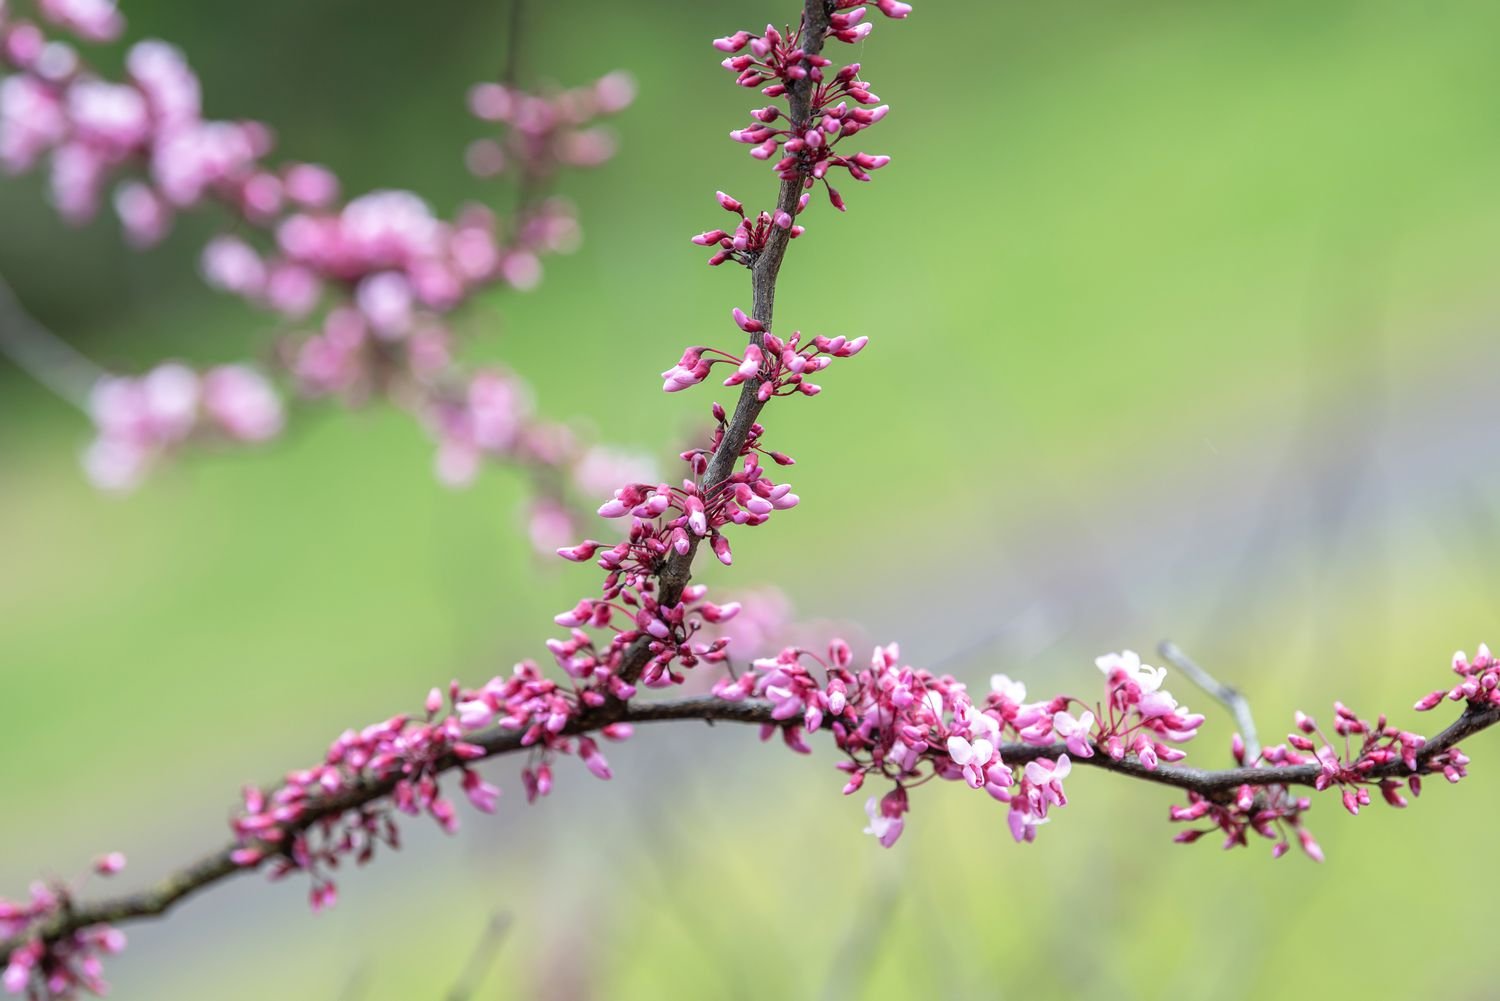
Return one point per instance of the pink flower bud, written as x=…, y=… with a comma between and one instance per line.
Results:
x=746, y=323
x=108, y=865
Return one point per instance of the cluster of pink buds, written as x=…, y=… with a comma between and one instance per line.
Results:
x=631, y=614
x=141, y=419
x=546, y=132
x=1480, y=685
x=745, y=243
x=1365, y=747
x=293, y=823
x=300, y=826
x=665, y=519
x=782, y=367
x=1272, y=812
x=840, y=105
x=46, y=967
x=1358, y=756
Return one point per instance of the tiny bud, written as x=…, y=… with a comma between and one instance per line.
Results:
x=108, y=865
x=748, y=324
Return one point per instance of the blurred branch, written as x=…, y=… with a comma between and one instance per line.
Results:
x=1236, y=703
x=43, y=355
x=510, y=70
x=483, y=957
x=218, y=866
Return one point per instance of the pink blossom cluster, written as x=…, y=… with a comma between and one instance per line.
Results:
x=366, y=284
x=141, y=419
x=57, y=967
x=909, y=726
x=546, y=133
x=1480, y=686
x=1140, y=716
x=665, y=519
x=780, y=367
x=303, y=825
x=144, y=135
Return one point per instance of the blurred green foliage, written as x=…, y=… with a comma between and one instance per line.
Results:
x=1164, y=299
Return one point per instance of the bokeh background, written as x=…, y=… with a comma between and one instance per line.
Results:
x=1183, y=322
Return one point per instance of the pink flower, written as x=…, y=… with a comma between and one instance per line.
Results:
x=884, y=828
x=973, y=758
x=241, y=402
x=1077, y=734
x=483, y=795
x=108, y=865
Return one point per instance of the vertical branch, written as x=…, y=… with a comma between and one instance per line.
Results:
x=485, y=951
x=763, y=275
x=510, y=70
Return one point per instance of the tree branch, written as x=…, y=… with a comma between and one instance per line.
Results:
x=217, y=867
x=483, y=957
x=676, y=571
x=43, y=355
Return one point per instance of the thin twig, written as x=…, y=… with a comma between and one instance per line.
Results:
x=357, y=987
x=486, y=950
x=510, y=70
x=43, y=355
x=1232, y=699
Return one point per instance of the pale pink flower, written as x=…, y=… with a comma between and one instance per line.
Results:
x=1076, y=733
x=885, y=829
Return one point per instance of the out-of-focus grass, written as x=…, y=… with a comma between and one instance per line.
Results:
x=1118, y=245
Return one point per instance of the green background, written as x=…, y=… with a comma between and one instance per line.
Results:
x=1182, y=323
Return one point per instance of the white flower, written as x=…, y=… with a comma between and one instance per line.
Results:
x=1010, y=691
x=965, y=753
x=1129, y=662
x=1075, y=732
x=981, y=723
x=885, y=829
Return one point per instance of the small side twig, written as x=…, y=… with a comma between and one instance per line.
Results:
x=43, y=355
x=1231, y=697
x=482, y=958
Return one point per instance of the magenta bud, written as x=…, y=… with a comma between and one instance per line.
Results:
x=737, y=41
x=748, y=324
x=583, y=551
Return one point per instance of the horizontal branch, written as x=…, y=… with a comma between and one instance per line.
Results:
x=217, y=867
